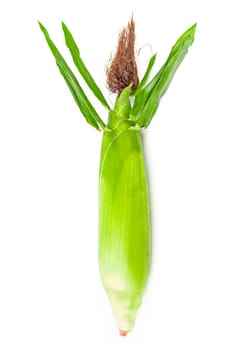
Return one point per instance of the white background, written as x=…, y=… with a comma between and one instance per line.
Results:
x=50, y=291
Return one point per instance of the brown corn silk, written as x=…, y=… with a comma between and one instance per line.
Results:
x=122, y=69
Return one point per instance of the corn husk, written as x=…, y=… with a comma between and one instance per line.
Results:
x=124, y=219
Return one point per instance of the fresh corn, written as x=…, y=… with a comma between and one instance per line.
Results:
x=124, y=207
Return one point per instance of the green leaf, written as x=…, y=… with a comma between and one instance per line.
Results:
x=79, y=96
x=146, y=75
x=142, y=93
x=139, y=103
x=153, y=91
x=75, y=52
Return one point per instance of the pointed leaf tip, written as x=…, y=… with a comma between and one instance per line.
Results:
x=150, y=96
x=80, y=65
x=146, y=76
x=79, y=96
x=41, y=26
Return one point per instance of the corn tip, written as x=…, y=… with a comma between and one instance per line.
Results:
x=123, y=333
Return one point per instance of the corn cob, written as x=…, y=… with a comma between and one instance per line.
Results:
x=124, y=225
x=124, y=208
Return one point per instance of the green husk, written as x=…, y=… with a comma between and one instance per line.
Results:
x=124, y=220
x=124, y=205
